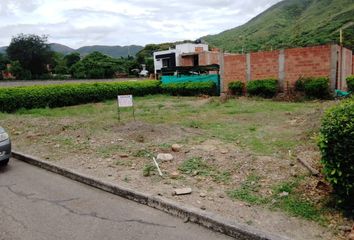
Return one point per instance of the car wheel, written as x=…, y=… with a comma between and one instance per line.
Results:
x=4, y=163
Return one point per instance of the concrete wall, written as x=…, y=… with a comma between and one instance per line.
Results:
x=347, y=68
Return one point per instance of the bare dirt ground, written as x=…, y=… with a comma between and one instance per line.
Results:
x=215, y=158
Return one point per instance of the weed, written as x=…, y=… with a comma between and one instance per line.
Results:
x=194, y=124
x=125, y=163
x=193, y=165
x=222, y=177
x=248, y=191
x=126, y=179
x=143, y=154
x=108, y=151
x=148, y=169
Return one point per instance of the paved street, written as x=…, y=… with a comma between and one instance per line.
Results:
x=36, y=204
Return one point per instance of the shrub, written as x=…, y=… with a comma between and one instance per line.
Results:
x=266, y=88
x=314, y=87
x=300, y=85
x=336, y=143
x=15, y=98
x=350, y=83
x=189, y=88
x=236, y=88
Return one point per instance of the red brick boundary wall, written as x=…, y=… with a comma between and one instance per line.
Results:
x=286, y=65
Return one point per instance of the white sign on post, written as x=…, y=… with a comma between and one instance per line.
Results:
x=125, y=100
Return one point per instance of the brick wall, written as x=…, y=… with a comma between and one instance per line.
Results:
x=307, y=62
x=187, y=61
x=264, y=65
x=208, y=58
x=288, y=64
x=234, y=68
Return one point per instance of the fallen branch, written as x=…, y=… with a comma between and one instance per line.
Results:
x=313, y=171
x=157, y=166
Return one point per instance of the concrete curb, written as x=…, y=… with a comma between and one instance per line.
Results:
x=207, y=219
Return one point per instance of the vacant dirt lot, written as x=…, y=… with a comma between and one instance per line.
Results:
x=239, y=156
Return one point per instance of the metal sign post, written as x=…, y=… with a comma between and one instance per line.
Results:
x=125, y=101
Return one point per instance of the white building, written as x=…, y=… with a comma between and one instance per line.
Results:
x=173, y=57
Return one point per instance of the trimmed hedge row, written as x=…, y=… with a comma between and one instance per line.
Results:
x=314, y=87
x=266, y=88
x=350, y=83
x=189, y=89
x=236, y=88
x=15, y=98
x=336, y=143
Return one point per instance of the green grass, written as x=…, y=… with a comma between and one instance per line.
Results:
x=294, y=204
x=143, y=154
x=198, y=166
x=260, y=125
x=248, y=191
x=148, y=170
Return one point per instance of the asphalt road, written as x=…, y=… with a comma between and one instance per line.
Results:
x=36, y=204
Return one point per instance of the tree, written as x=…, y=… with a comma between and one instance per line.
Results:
x=72, y=58
x=95, y=65
x=18, y=72
x=58, y=64
x=31, y=51
x=3, y=62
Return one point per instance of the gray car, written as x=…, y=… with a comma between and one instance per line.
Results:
x=5, y=147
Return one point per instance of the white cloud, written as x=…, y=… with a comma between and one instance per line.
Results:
x=117, y=22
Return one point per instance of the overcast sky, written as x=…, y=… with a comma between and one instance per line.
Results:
x=77, y=23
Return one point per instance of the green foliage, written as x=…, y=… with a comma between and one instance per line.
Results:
x=247, y=191
x=14, y=98
x=31, y=51
x=266, y=88
x=193, y=165
x=350, y=83
x=198, y=166
x=148, y=169
x=95, y=66
x=18, y=72
x=236, y=87
x=336, y=143
x=189, y=88
x=290, y=23
x=71, y=59
x=314, y=87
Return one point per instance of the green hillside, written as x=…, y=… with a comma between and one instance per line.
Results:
x=113, y=51
x=290, y=23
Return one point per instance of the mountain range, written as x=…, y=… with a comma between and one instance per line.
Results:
x=291, y=23
x=113, y=51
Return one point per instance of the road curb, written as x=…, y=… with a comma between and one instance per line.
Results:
x=207, y=219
